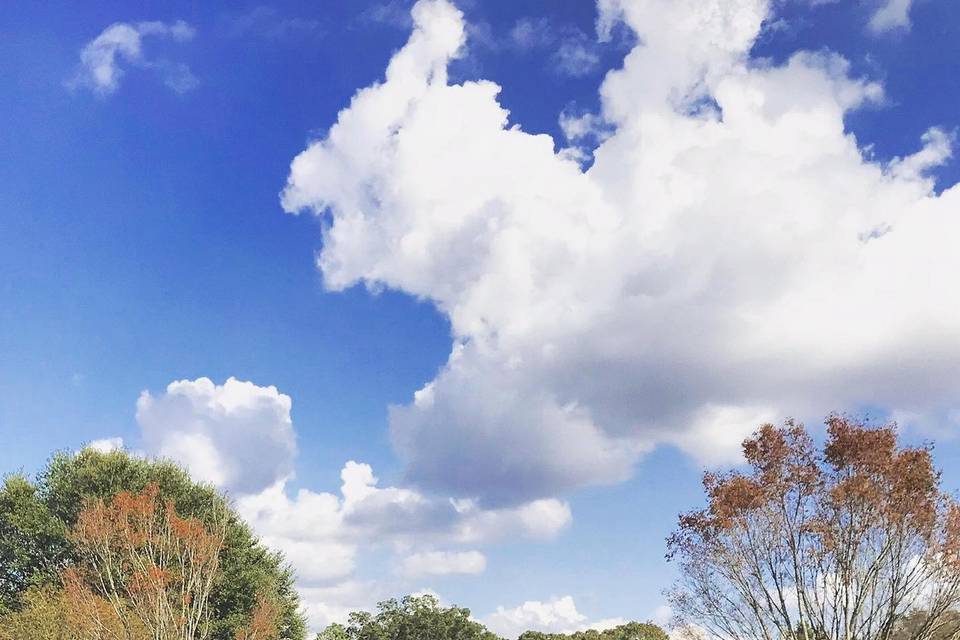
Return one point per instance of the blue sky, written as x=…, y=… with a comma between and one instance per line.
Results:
x=600, y=314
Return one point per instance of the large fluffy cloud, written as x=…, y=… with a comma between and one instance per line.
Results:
x=237, y=436
x=732, y=255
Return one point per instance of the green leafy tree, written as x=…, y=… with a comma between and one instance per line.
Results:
x=411, y=618
x=35, y=518
x=335, y=631
x=33, y=543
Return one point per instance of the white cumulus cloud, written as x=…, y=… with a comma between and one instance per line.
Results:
x=367, y=514
x=324, y=605
x=557, y=615
x=105, y=445
x=237, y=436
x=322, y=534
x=101, y=59
x=732, y=255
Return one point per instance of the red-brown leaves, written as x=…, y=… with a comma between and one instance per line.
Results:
x=732, y=497
x=839, y=543
x=854, y=446
x=90, y=616
x=152, y=567
x=783, y=461
x=871, y=476
x=263, y=622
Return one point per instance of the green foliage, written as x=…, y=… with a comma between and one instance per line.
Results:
x=335, y=631
x=412, y=618
x=629, y=631
x=32, y=541
x=40, y=618
x=34, y=519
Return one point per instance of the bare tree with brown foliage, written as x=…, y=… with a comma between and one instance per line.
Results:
x=143, y=570
x=838, y=544
x=263, y=622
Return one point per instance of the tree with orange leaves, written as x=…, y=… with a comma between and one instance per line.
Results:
x=143, y=571
x=838, y=544
x=263, y=622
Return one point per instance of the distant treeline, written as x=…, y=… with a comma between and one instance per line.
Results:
x=422, y=618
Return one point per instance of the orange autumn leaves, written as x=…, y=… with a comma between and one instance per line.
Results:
x=143, y=572
x=861, y=481
x=142, y=565
x=841, y=542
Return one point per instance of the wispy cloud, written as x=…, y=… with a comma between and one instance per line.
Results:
x=267, y=22
x=395, y=13
x=533, y=33
x=572, y=52
x=443, y=563
x=891, y=15
x=886, y=15
x=102, y=59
